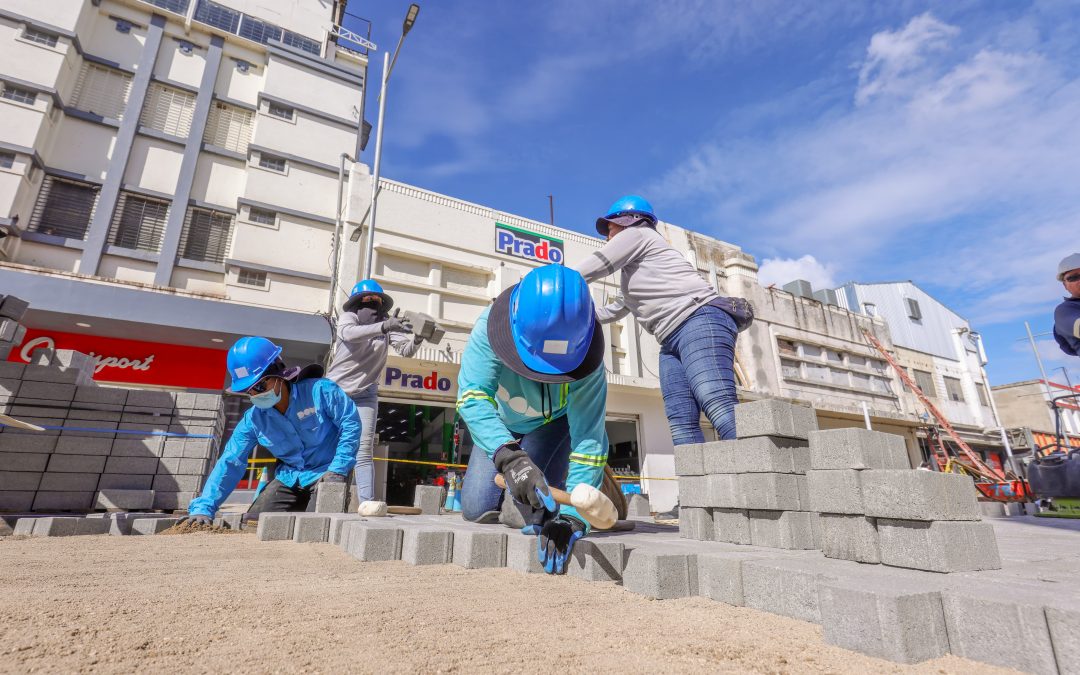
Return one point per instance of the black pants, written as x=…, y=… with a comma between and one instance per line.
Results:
x=278, y=497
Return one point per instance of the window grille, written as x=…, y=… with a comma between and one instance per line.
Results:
x=300, y=42
x=259, y=31
x=64, y=207
x=272, y=163
x=284, y=112
x=178, y=6
x=251, y=278
x=40, y=37
x=206, y=235
x=925, y=381
x=139, y=222
x=217, y=16
x=168, y=110
x=229, y=127
x=261, y=216
x=7, y=160
x=953, y=389
x=19, y=95
x=102, y=90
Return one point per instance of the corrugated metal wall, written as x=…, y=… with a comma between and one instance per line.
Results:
x=932, y=334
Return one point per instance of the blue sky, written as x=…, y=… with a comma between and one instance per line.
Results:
x=834, y=141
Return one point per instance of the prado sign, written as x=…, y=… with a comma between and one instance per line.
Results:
x=426, y=382
x=132, y=361
x=527, y=245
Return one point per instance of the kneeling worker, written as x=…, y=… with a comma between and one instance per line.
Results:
x=533, y=392
x=307, y=422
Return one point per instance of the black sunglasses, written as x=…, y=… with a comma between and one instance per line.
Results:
x=259, y=387
x=1073, y=278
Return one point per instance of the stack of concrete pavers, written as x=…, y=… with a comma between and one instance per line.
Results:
x=12, y=331
x=875, y=509
x=751, y=490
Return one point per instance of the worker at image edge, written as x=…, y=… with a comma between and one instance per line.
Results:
x=533, y=393
x=364, y=331
x=304, y=420
x=1067, y=314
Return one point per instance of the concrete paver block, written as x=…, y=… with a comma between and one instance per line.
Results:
x=835, y=491
x=69, y=482
x=784, y=586
x=781, y=529
x=19, y=480
x=689, y=460
x=137, y=447
x=131, y=465
x=773, y=417
x=56, y=526
x=722, y=491
x=230, y=521
x=372, y=543
x=92, y=526
x=17, y=500
x=149, y=398
x=883, y=620
x=475, y=550
x=172, y=447
x=168, y=500
x=638, y=505
x=941, y=546
x=919, y=495
x=693, y=491
x=63, y=501
x=126, y=481
x=337, y=526
x=26, y=443
x=124, y=499
x=719, y=576
x=176, y=483
x=80, y=464
x=521, y=554
x=1064, y=625
x=654, y=574
x=47, y=391
x=120, y=523
x=848, y=537
x=696, y=523
x=152, y=525
x=24, y=527
x=427, y=546
x=429, y=498
x=94, y=394
x=330, y=497
x=855, y=448
x=975, y=618
x=275, y=526
x=731, y=526
x=193, y=467
x=597, y=560
x=308, y=528
x=769, y=491
x=761, y=454
x=199, y=448
x=24, y=461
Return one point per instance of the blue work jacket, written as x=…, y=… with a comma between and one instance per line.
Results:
x=319, y=432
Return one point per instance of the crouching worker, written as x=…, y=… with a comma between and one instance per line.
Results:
x=533, y=393
x=306, y=422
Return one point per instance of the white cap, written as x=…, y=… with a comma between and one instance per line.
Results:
x=1068, y=264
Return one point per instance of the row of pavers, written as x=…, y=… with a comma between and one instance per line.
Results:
x=116, y=524
x=896, y=614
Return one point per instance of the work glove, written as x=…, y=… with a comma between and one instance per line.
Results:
x=418, y=339
x=195, y=519
x=397, y=325
x=331, y=477
x=526, y=484
x=556, y=542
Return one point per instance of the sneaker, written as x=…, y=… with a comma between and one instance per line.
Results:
x=488, y=518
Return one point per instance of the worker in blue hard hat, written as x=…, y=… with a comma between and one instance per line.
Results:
x=365, y=330
x=304, y=420
x=1067, y=314
x=695, y=326
x=533, y=393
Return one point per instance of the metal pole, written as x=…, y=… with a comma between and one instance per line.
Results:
x=339, y=235
x=369, y=248
x=1038, y=359
x=551, y=208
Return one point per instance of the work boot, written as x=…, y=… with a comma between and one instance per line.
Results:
x=488, y=518
x=509, y=515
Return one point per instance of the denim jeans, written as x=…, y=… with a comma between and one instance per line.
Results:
x=367, y=404
x=697, y=373
x=548, y=447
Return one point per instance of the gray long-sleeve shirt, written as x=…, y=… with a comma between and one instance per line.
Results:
x=659, y=287
x=361, y=352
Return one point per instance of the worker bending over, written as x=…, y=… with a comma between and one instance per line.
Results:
x=364, y=330
x=533, y=392
x=305, y=421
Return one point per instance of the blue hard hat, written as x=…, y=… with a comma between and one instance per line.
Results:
x=544, y=328
x=248, y=361
x=630, y=205
x=367, y=287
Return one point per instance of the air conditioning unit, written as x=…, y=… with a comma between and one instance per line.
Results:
x=800, y=287
x=826, y=296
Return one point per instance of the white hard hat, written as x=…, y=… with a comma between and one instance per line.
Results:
x=1067, y=264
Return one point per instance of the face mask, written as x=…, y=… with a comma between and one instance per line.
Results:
x=266, y=400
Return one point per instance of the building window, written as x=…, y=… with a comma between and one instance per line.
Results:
x=262, y=216
x=300, y=42
x=39, y=36
x=168, y=110
x=984, y=400
x=7, y=160
x=914, y=312
x=953, y=390
x=139, y=222
x=251, y=278
x=258, y=31
x=102, y=91
x=229, y=127
x=206, y=235
x=64, y=207
x=217, y=16
x=19, y=95
x=273, y=163
x=284, y=112
x=925, y=381
x=177, y=6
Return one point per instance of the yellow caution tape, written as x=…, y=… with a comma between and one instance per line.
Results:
x=416, y=461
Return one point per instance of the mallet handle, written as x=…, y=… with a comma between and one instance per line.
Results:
x=560, y=496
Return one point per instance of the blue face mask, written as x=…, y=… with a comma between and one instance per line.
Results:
x=266, y=400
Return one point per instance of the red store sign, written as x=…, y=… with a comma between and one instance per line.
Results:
x=133, y=361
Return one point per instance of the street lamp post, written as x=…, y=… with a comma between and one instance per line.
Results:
x=388, y=66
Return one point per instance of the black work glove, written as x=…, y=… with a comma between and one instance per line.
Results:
x=418, y=339
x=526, y=484
x=331, y=477
x=556, y=542
x=195, y=519
x=396, y=324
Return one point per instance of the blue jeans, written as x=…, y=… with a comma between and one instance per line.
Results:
x=548, y=447
x=697, y=373
x=367, y=404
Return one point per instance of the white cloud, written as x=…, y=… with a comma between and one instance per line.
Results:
x=780, y=271
x=894, y=56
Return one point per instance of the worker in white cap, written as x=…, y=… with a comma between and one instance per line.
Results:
x=1067, y=314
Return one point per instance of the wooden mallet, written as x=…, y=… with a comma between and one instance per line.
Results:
x=591, y=504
